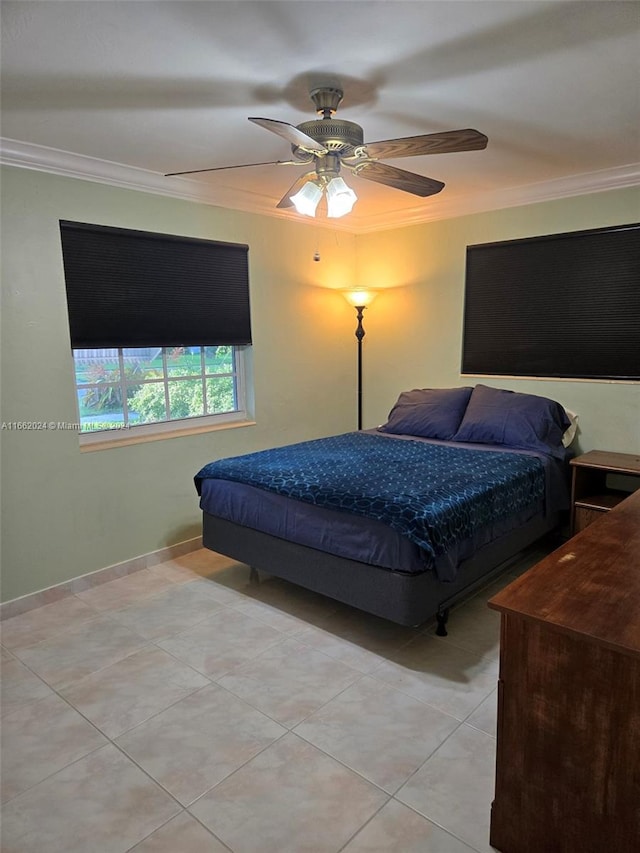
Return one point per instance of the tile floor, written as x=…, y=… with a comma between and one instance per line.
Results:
x=183, y=709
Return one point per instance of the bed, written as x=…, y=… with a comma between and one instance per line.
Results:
x=405, y=520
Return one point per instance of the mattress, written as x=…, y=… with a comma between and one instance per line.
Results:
x=366, y=539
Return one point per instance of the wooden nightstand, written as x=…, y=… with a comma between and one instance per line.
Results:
x=592, y=493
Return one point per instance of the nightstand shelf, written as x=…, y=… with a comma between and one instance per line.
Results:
x=592, y=493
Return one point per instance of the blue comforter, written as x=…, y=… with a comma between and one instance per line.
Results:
x=433, y=494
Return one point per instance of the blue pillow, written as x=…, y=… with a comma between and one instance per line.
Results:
x=428, y=412
x=522, y=421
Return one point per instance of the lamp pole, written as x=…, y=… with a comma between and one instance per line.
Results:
x=360, y=335
x=359, y=298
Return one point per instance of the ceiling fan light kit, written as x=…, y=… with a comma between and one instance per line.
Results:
x=340, y=198
x=306, y=200
x=330, y=143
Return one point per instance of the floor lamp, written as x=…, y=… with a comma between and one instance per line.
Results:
x=360, y=299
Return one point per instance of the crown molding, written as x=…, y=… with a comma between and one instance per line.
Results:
x=619, y=177
x=41, y=158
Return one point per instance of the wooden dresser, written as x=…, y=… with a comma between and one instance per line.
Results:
x=568, y=748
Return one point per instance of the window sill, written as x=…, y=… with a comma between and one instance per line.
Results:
x=124, y=438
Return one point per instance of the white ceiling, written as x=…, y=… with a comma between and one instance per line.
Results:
x=126, y=91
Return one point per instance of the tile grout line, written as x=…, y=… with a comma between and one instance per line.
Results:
x=110, y=741
x=417, y=811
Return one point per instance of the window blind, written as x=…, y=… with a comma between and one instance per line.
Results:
x=130, y=288
x=562, y=305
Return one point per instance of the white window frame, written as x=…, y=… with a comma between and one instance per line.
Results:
x=133, y=434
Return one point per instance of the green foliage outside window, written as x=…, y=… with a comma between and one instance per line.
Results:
x=185, y=399
x=181, y=376
x=106, y=394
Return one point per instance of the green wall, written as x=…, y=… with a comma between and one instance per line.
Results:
x=414, y=329
x=66, y=513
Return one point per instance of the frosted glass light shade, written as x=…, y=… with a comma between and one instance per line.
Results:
x=307, y=199
x=340, y=198
x=359, y=297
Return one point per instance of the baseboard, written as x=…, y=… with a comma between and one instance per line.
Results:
x=62, y=590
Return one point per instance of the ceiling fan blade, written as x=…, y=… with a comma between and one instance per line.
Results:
x=430, y=143
x=285, y=201
x=290, y=133
x=381, y=173
x=240, y=166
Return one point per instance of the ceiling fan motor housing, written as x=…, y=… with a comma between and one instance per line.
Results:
x=336, y=135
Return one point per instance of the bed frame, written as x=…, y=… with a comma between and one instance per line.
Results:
x=408, y=599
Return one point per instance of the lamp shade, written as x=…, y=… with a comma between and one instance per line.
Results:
x=307, y=199
x=359, y=297
x=340, y=198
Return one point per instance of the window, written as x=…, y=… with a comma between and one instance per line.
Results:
x=159, y=327
x=123, y=388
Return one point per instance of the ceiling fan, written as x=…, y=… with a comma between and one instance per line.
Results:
x=330, y=143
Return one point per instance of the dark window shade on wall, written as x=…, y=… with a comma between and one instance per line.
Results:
x=564, y=305
x=133, y=288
